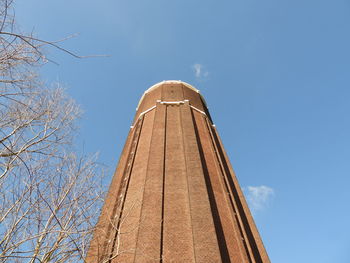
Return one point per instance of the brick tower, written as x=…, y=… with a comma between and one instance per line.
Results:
x=174, y=196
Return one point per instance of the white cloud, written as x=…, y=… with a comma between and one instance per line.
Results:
x=199, y=71
x=259, y=197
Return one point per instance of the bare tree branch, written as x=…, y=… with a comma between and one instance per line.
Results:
x=50, y=196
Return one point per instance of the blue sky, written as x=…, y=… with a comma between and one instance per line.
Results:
x=275, y=75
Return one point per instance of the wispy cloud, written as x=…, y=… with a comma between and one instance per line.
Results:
x=258, y=197
x=199, y=71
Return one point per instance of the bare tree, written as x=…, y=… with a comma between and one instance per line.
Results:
x=49, y=196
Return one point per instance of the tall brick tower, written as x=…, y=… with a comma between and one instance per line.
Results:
x=174, y=196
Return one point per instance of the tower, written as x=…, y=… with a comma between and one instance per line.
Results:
x=174, y=196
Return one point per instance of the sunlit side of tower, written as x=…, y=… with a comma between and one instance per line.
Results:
x=174, y=196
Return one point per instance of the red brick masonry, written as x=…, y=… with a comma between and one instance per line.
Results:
x=174, y=196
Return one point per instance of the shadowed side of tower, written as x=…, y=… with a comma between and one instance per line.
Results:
x=174, y=196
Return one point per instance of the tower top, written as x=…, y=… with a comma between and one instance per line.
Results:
x=170, y=91
x=170, y=83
